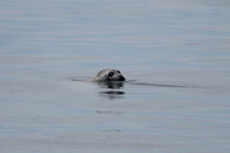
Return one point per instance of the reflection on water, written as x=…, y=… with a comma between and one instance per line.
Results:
x=111, y=85
x=109, y=112
x=114, y=85
x=112, y=94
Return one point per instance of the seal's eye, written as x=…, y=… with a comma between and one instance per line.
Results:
x=119, y=72
x=111, y=74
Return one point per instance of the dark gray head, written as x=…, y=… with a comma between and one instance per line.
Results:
x=109, y=75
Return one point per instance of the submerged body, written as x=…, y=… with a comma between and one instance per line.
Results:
x=109, y=75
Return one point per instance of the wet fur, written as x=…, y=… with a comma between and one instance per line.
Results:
x=109, y=75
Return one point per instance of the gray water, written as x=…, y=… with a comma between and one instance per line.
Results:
x=175, y=56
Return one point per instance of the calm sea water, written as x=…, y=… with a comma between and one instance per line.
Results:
x=174, y=54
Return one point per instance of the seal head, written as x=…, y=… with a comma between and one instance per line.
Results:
x=109, y=75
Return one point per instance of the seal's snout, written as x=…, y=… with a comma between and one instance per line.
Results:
x=121, y=78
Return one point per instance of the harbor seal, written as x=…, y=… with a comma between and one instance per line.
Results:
x=109, y=75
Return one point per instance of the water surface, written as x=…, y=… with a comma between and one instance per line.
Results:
x=174, y=55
